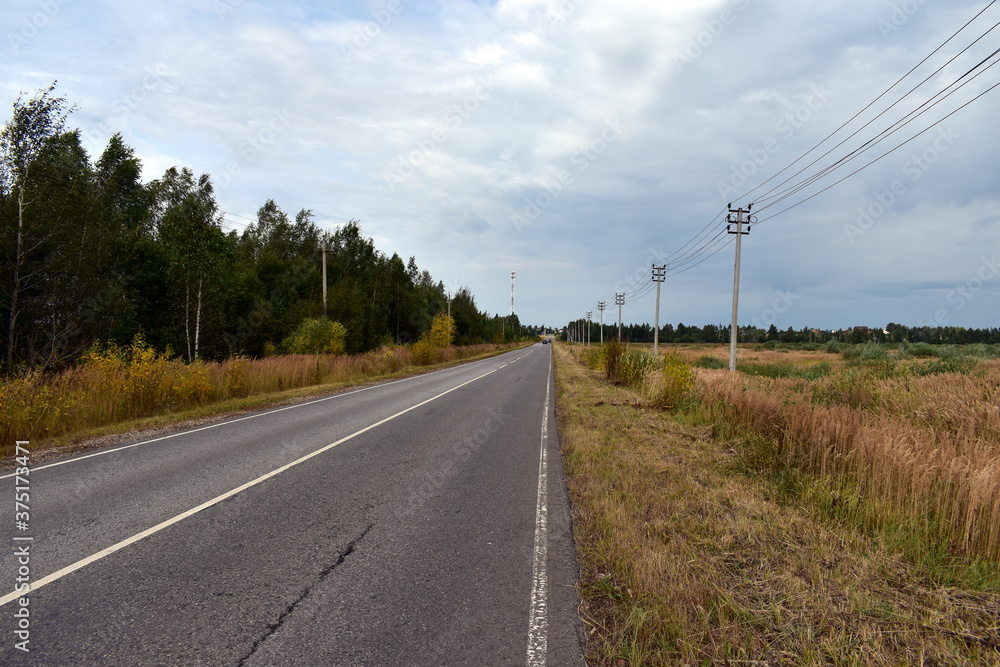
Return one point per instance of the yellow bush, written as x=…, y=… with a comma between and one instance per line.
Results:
x=425, y=353
x=676, y=382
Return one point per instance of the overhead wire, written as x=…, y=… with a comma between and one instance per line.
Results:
x=923, y=108
x=703, y=245
x=872, y=103
x=925, y=130
x=676, y=258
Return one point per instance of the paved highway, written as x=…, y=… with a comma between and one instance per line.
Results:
x=417, y=522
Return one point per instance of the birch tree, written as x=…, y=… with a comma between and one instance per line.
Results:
x=36, y=123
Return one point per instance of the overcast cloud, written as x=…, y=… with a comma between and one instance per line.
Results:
x=571, y=141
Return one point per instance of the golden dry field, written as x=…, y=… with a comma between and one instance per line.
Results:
x=813, y=509
x=114, y=387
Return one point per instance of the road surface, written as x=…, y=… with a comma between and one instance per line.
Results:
x=417, y=522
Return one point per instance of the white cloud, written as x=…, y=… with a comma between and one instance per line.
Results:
x=369, y=91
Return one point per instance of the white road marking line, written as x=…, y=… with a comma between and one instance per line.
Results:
x=58, y=574
x=538, y=621
x=239, y=419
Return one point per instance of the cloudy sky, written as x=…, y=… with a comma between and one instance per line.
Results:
x=575, y=142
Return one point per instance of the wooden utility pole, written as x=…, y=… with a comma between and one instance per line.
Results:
x=659, y=275
x=619, y=301
x=740, y=232
x=601, y=305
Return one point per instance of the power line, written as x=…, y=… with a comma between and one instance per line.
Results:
x=883, y=155
x=704, y=245
x=886, y=133
x=872, y=103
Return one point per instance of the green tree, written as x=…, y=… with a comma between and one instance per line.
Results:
x=189, y=228
x=279, y=278
x=36, y=125
x=128, y=270
x=317, y=336
x=442, y=331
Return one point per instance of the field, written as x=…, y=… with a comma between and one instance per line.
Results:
x=816, y=508
x=115, y=389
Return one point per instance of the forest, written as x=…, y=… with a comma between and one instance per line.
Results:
x=90, y=254
x=719, y=333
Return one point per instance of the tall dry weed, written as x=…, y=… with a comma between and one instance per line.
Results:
x=925, y=450
x=117, y=384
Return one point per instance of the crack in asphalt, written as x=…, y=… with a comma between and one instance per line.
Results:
x=274, y=627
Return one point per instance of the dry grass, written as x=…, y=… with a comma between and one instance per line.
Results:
x=120, y=385
x=687, y=559
x=919, y=452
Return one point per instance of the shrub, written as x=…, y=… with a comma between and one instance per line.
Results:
x=922, y=350
x=850, y=352
x=624, y=365
x=951, y=364
x=613, y=351
x=785, y=370
x=317, y=336
x=595, y=357
x=635, y=364
x=873, y=352
x=676, y=383
x=816, y=371
x=424, y=353
x=710, y=362
x=832, y=346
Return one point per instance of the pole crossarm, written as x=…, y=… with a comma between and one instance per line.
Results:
x=659, y=275
x=601, y=305
x=738, y=221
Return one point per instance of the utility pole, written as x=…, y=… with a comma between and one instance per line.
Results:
x=619, y=301
x=601, y=305
x=323, y=250
x=590, y=314
x=659, y=275
x=449, y=305
x=740, y=232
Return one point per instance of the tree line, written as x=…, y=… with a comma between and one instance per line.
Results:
x=719, y=333
x=92, y=254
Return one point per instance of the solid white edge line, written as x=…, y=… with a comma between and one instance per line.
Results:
x=538, y=622
x=240, y=419
x=58, y=574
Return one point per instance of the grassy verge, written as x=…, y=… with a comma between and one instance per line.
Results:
x=689, y=555
x=143, y=392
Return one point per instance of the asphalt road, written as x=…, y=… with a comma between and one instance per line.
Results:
x=418, y=522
